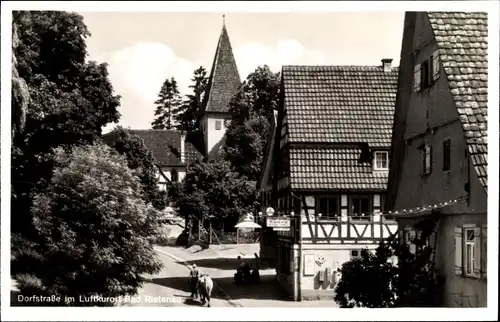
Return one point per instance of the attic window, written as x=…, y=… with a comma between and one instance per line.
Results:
x=381, y=160
x=426, y=73
x=218, y=125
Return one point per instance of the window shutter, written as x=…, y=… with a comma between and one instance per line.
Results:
x=477, y=252
x=417, y=78
x=484, y=248
x=435, y=65
x=458, y=250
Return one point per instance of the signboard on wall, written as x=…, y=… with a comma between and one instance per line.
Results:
x=278, y=223
x=281, y=228
x=309, y=264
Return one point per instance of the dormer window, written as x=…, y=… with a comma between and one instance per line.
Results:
x=381, y=160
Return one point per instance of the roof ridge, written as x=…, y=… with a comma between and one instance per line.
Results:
x=330, y=66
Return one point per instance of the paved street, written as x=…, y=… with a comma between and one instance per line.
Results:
x=170, y=288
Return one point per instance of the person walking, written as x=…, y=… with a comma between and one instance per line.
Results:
x=193, y=280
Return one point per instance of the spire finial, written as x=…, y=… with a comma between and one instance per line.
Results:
x=224, y=20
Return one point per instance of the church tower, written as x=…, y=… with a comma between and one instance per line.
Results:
x=223, y=83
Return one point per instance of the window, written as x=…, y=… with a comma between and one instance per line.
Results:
x=218, y=125
x=381, y=160
x=328, y=206
x=446, y=154
x=426, y=73
x=426, y=159
x=469, y=252
x=360, y=207
x=174, y=176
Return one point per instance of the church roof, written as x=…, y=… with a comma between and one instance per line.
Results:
x=224, y=80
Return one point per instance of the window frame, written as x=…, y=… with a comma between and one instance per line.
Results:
x=350, y=210
x=375, y=165
x=446, y=154
x=335, y=214
x=468, y=244
x=425, y=74
x=218, y=125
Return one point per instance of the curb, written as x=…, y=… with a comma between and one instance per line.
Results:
x=186, y=263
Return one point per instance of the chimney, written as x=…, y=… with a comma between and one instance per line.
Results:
x=386, y=63
x=183, y=148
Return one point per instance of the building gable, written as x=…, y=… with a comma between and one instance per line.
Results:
x=462, y=41
x=332, y=119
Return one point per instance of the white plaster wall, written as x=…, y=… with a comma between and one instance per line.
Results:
x=213, y=135
x=167, y=172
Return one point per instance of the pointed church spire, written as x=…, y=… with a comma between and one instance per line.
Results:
x=224, y=80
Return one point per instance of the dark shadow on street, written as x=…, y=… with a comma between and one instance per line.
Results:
x=225, y=263
x=192, y=302
x=178, y=283
x=267, y=289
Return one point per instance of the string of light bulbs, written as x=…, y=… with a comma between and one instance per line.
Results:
x=394, y=213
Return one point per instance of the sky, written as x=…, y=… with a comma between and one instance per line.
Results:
x=144, y=48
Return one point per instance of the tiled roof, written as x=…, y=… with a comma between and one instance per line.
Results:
x=340, y=104
x=224, y=80
x=333, y=169
x=165, y=145
x=462, y=40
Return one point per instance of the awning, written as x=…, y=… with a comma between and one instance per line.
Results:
x=247, y=224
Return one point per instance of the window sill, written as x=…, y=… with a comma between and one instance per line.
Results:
x=381, y=170
x=425, y=175
x=471, y=276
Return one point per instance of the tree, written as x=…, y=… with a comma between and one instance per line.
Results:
x=70, y=101
x=139, y=158
x=191, y=109
x=20, y=91
x=214, y=189
x=167, y=105
x=252, y=110
x=374, y=281
x=95, y=230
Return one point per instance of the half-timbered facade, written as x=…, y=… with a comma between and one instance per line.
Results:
x=330, y=163
x=439, y=145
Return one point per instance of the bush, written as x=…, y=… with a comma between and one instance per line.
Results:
x=95, y=232
x=373, y=281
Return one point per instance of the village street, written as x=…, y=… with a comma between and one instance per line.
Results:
x=169, y=288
